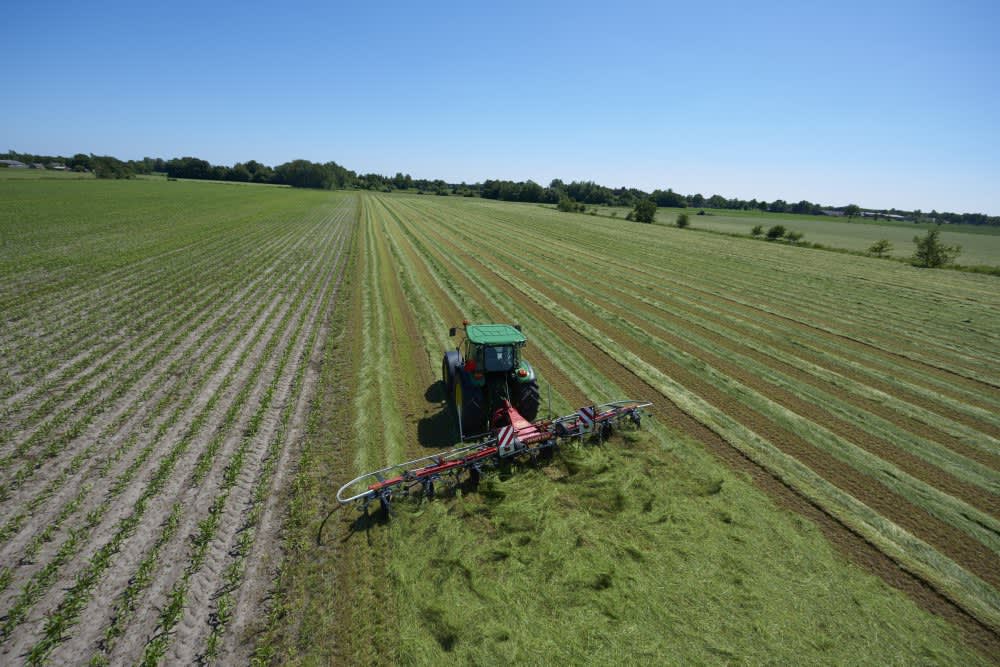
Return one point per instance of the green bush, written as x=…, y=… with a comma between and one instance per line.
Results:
x=644, y=211
x=931, y=252
x=757, y=231
x=682, y=220
x=776, y=232
x=880, y=248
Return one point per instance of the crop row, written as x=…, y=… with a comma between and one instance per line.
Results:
x=37, y=585
x=210, y=355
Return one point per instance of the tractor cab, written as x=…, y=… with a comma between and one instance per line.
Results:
x=489, y=349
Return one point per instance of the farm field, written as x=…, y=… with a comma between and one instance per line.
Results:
x=814, y=412
x=980, y=244
x=160, y=345
x=190, y=370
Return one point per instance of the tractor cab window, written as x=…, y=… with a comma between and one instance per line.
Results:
x=499, y=359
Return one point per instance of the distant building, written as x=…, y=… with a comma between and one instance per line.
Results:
x=876, y=214
x=57, y=166
x=13, y=164
x=834, y=212
x=37, y=165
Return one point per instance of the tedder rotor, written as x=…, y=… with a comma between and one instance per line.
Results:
x=494, y=393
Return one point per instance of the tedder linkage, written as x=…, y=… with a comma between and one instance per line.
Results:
x=512, y=437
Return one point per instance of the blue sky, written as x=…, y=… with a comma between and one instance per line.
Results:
x=879, y=103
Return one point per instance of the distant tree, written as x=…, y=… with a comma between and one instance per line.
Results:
x=682, y=220
x=776, y=232
x=762, y=205
x=757, y=230
x=793, y=237
x=669, y=199
x=644, y=211
x=852, y=210
x=106, y=166
x=697, y=200
x=530, y=192
x=931, y=252
x=880, y=248
x=717, y=201
x=240, y=173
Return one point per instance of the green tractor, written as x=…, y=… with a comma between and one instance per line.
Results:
x=486, y=370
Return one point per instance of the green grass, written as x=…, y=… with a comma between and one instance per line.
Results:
x=980, y=243
x=619, y=554
x=39, y=174
x=647, y=548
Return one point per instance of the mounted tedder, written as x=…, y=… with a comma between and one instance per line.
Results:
x=495, y=395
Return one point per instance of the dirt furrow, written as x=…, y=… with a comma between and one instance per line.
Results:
x=265, y=556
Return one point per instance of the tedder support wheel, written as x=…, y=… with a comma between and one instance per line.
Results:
x=528, y=400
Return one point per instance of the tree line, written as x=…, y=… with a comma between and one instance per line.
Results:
x=574, y=195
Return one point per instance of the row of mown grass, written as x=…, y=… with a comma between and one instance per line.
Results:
x=645, y=548
x=472, y=231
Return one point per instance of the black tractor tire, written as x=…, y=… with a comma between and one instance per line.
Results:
x=527, y=400
x=449, y=367
x=470, y=405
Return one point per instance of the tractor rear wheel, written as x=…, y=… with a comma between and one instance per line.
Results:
x=527, y=400
x=446, y=376
x=449, y=366
x=469, y=406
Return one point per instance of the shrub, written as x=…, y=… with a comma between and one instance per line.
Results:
x=644, y=211
x=931, y=252
x=566, y=204
x=880, y=248
x=682, y=220
x=793, y=237
x=776, y=232
x=757, y=231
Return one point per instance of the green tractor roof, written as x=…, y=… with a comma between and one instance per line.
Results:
x=494, y=334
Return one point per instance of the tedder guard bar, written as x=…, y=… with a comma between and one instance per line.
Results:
x=517, y=436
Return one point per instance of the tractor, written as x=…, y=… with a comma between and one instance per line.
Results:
x=495, y=396
x=486, y=370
